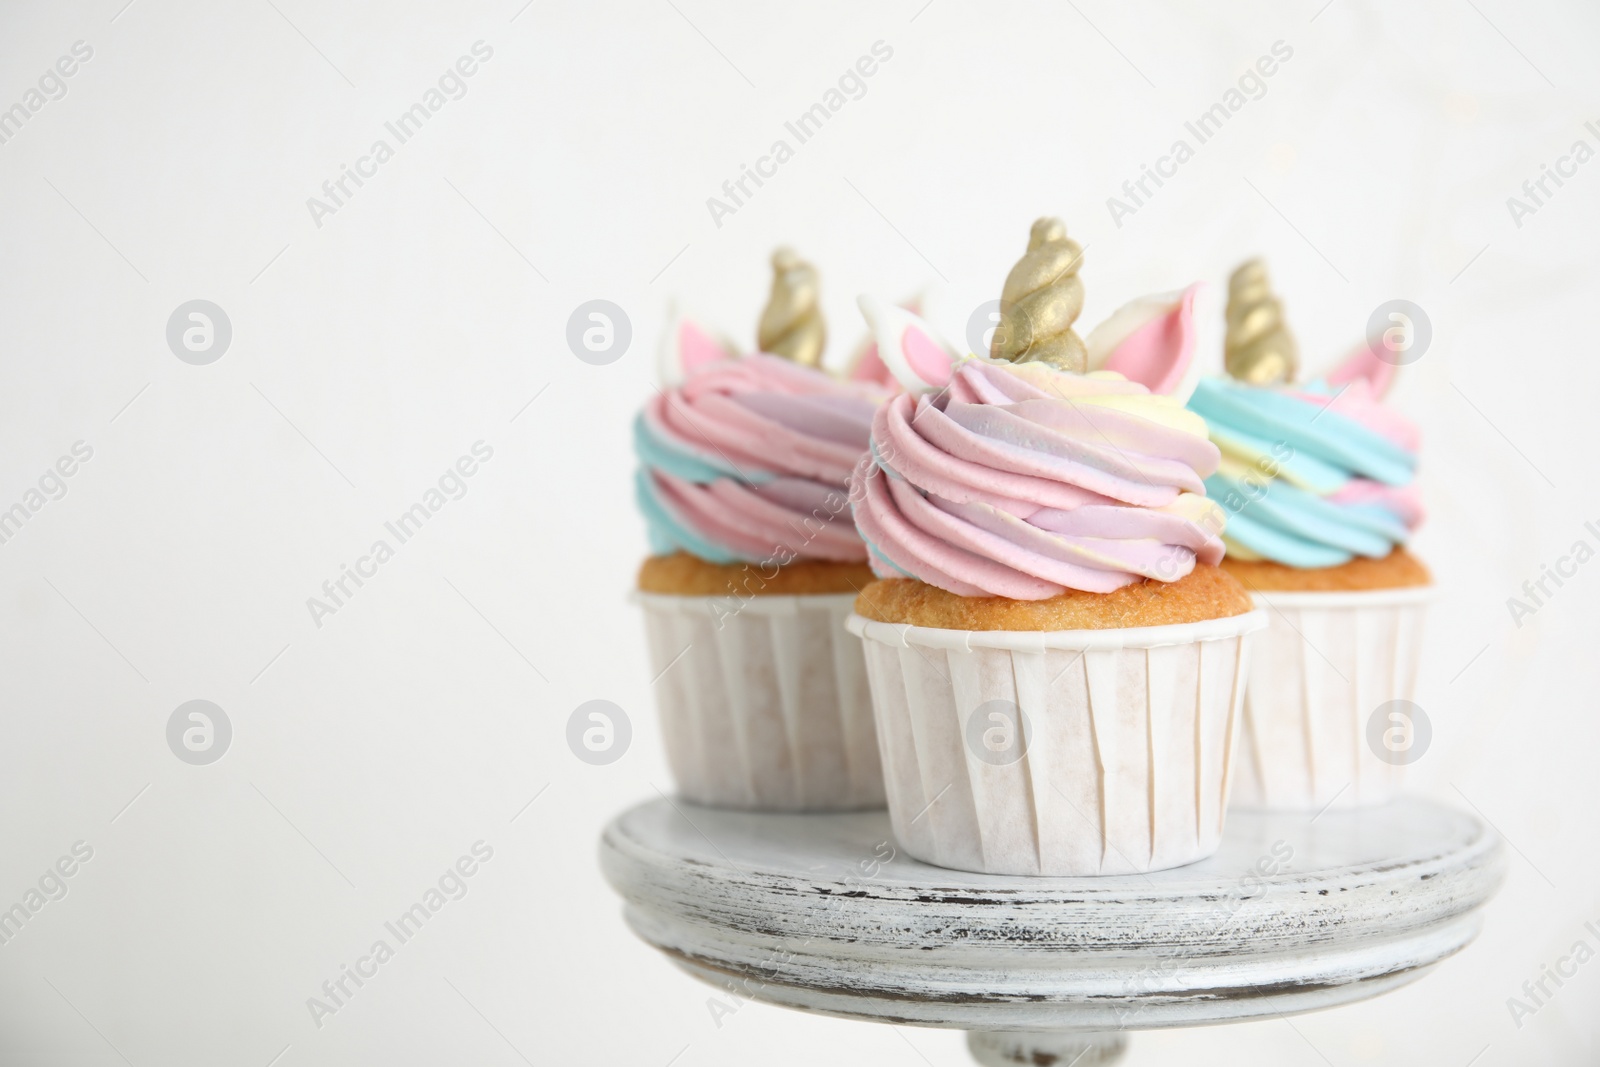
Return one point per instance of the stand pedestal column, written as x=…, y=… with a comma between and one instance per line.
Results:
x=1008, y=1049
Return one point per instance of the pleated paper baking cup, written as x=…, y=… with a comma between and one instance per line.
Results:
x=1072, y=752
x=1320, y=724
x=764, y=705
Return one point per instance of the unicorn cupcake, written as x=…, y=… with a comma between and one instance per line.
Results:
x=743, y=468
x=1318, y=479
x=1054, y=653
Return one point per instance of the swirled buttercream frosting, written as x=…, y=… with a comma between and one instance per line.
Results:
x=1312, y=475
x=1023, y=481
x=747, y=460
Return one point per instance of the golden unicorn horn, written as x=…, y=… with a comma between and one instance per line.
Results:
x=1259, y=348
x=1042, y=298
x=791, y=325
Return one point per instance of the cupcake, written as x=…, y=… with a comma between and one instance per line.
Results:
x=1318, y=482
x=1054, y=654
x=743, y=470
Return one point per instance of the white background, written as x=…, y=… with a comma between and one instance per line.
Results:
x=372, y=351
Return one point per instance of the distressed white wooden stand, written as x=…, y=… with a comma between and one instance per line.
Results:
x=824, y=913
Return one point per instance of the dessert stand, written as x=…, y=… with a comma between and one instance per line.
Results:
x=826, y=913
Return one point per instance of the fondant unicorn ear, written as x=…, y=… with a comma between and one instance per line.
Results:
x=1155, y=340
x=914, y=353
x=686, y=346
x=1364, y=364
x=865, y=364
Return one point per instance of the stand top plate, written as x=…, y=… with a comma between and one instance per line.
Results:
x=824, y=912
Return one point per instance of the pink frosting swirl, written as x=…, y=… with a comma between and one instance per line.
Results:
x=748, y=460
x=1021, y=481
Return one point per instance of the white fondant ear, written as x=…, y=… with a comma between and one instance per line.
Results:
x=1158, y=340
x=914, y=352
x=865, y=364
x=686, y=346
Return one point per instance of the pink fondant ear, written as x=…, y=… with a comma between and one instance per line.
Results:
x=686, y=346
x=928, y=361
x=1152, y=341
x=1364, y=364
x=911, y=350
x=696, y=347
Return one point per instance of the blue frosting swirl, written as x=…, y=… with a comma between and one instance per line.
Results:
x=1303, y=484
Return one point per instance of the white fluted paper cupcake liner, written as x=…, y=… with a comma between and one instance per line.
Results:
x=764, y=705
x=1319, y=672
x=1127, y=741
